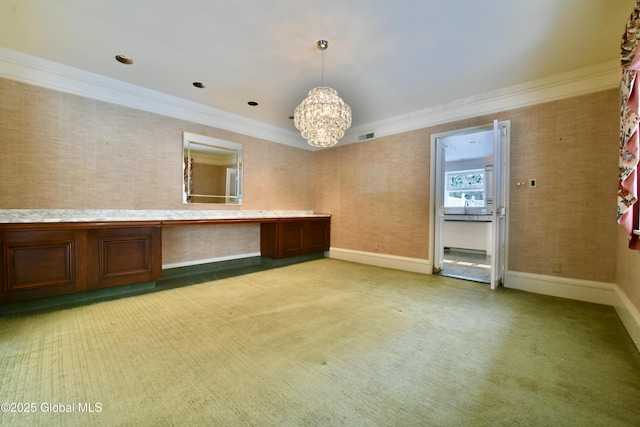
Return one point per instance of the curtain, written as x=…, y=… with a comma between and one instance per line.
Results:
x=188, y=178
x=628, y=209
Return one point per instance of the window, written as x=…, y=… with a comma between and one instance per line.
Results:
x=465, y=188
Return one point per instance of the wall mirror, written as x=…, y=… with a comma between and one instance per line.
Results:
x=212, y=170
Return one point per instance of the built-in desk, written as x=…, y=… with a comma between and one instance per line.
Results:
x=55, y=252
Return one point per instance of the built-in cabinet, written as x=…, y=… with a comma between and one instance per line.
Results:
x=294, y=237
x=47, y=260
x=42, y=260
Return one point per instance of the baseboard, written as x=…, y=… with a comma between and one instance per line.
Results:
x=74, y=300
x=628, y=314
x=581, y=290
x=209, y=260
x=282, y=262
x=171, y=271
x=415, y=265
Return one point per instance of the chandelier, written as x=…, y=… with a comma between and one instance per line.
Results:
x=322, y=117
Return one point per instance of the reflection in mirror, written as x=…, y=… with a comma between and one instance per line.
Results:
x=212, y=170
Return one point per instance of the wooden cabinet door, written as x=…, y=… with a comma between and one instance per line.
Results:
x=288, y=238
x=120, y=256
x=42, y=263
x=269, y=239
x=293, y=239
x=319, y=235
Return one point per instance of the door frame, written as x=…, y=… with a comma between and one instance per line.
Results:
x=434, y=209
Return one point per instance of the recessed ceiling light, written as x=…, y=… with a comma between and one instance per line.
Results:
x=199, y=85
x=124, y=59
x=252, y=103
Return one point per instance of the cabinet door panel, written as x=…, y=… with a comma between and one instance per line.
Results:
x=124, y=256
x=293, y=241
x=319, y=234
x=269, y=239
x=41, y=263
x=44, y=264
x=120, y=256
x=288, y=238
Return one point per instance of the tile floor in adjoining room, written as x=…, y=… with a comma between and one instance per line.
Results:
x=467, y=265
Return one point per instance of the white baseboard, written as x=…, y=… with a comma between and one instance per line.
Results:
x=581, y=290
x=629, y=315
x=208, y=260
x=415, y=265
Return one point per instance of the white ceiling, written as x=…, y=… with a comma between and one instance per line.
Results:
x=386, y=58
x=468, y=146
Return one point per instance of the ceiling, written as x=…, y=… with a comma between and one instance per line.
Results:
x=468, y=146
x=385, y=58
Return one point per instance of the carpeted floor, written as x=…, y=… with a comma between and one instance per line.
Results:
x=322, y=343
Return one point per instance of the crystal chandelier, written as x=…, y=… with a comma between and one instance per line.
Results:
x=322, y=117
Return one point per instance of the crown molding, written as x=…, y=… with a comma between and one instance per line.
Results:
x=48, y=74
x=52, y=75
x=583, y=81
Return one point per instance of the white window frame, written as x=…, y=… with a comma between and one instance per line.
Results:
x=475, y=188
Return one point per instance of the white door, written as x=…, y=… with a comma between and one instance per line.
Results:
x=497, y=239
x=438, y=256
x=500, y=197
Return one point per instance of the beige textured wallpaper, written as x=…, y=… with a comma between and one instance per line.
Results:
x=378, y=190
x=64, y=151
x=194, y=242
x=378, y=194
x=570, y=147
x=60, y=151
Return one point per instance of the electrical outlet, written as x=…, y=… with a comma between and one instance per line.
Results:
x=533, y=183
x=557, y=267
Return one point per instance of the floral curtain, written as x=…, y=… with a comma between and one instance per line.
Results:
x=188, y=178
x=629, y=129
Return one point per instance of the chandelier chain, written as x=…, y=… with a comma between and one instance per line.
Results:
x=322, y=73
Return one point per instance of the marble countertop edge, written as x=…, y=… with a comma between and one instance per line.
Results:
x=115, y=215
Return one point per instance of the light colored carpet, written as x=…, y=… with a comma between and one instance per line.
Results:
x=324, y=343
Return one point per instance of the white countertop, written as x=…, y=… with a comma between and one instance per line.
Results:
x=105, y=215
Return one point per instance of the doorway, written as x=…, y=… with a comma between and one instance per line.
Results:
x=469, y=171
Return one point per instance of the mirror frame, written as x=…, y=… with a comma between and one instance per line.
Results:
x=192, y=138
